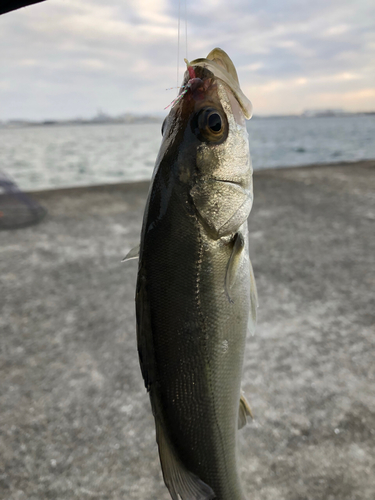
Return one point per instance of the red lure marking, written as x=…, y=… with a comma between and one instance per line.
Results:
x=193, y=85
x=191, y=72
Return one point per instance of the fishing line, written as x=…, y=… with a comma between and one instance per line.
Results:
x=185, y=87
x=178, y=38
x=186, y=52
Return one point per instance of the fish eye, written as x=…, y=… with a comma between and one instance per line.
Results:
x=214, y=123
x=211, y=125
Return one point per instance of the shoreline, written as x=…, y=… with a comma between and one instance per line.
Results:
x=139, y=184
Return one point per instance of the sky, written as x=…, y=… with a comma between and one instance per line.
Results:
x=67, y=59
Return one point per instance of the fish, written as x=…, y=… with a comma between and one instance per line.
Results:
x=196, y=295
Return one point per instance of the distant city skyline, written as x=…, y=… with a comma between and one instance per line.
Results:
x=130, y=118
x=62, y=59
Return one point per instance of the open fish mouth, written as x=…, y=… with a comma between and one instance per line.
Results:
x=219, y=67
x=223, y=68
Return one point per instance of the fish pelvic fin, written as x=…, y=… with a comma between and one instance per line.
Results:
x=181, y=483
x=132, y=254
x=244, y=411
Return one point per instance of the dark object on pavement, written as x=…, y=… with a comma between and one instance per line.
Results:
x=16, y=208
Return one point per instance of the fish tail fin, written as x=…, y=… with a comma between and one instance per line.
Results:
x=181, y=483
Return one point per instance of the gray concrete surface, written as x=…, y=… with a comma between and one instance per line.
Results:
x=75, y=421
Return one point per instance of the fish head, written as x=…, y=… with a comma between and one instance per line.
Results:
x=205, y=142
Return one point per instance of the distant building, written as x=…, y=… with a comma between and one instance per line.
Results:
x=101, y=117
x=323, y=112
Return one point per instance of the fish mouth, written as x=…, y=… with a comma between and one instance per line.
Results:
x=222, y=67
x=241, y=183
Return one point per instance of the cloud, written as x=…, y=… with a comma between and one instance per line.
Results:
x=64, y=58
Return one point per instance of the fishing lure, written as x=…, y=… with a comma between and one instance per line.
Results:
x=185, y=87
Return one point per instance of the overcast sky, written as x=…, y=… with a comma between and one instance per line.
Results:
x=68, y=58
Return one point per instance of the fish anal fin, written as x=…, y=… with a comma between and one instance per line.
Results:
x=234, y=263
x=132, y=254
x=244, y=411
x=181, y=483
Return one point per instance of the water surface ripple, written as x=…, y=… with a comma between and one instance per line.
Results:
x=43, y=157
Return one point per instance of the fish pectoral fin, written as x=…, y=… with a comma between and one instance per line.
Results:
x=253, y=302
x=133, y=254
x=181, y=483
x=244, y=411
x=234, y=263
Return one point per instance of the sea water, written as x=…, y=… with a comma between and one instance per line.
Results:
x=44, y=157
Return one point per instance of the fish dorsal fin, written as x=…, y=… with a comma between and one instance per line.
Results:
x=133, y=254
x=234, y=263
x=222, y=58
x=244, y=411
x=181, y=483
